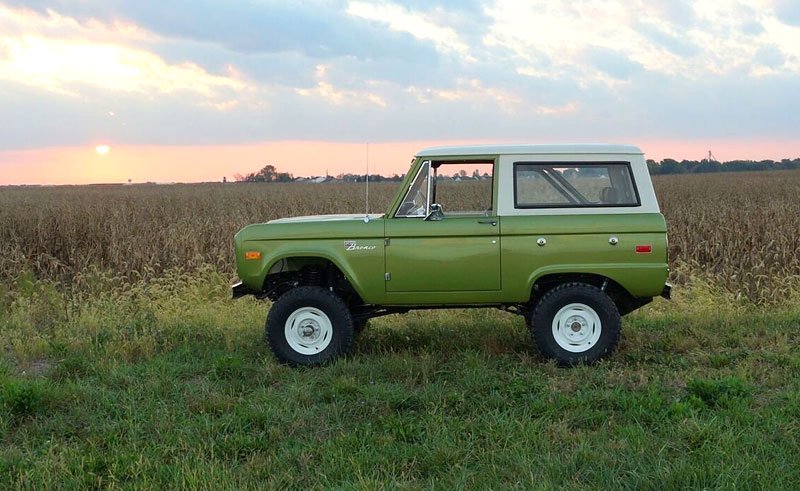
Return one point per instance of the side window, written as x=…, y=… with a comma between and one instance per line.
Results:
x=571, y=185
x=534, y=187
x=463, y=188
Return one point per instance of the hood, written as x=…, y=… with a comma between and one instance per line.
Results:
x=327, y=218
x=352, y=226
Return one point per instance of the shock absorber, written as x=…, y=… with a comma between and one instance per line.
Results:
x=311, y=276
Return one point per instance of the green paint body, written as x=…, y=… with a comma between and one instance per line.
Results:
x=462, y=260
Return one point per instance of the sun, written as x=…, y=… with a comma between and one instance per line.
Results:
x=102, y=149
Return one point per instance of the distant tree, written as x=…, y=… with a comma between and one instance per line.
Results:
x=708, y=166
x=267, y=174
x=591, y=171
x=670, y=166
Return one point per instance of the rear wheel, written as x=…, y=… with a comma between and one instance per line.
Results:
x=576, y=323
x=309, y=325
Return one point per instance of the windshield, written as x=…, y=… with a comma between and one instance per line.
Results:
x=415, y=202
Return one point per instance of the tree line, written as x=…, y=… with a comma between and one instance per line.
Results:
x=671, y=166
x=667, y=166
x=269, y=173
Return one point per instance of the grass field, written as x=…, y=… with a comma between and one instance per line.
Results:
x=125, y=364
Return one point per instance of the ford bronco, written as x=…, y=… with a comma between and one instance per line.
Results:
x=568, y=236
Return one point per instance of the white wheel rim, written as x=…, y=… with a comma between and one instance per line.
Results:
x=577, y=327
x=308, y=330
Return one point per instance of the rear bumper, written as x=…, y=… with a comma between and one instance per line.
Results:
x=667, y=291
x=239, y=290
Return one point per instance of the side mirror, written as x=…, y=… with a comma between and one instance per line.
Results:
x=436, y=213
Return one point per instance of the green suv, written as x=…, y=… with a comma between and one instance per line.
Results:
x=568, y=236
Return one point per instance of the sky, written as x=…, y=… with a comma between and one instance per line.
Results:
x=198, y=90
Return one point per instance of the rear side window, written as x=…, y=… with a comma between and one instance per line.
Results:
x=574, y=185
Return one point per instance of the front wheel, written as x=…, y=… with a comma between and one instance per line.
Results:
x=576, y=323
x=309, y=326
x=358, y=327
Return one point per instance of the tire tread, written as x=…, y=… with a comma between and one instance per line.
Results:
x=542, y=335
x=333, y=306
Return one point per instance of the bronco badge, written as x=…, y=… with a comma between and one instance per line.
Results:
x=351, y=245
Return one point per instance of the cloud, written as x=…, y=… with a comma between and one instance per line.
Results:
x=471, y=7
x=56, y=54
x=676, y=43
x=751, y=27
x=400, y=19
x=788, y=11
x=770, y=56
x=213, y=72
x=611, y=62
x=290, y=69
x=713, y=107
x=58, y=65
x=677, y=12
x=315, y=29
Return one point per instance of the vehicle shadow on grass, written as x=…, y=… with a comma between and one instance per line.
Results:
x=445, y=333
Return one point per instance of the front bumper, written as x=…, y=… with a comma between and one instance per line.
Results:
x=239, y=290
x=667, y=291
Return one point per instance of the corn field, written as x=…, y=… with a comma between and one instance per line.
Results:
x=739, y=231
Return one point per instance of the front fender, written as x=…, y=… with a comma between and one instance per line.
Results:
x=362, y=264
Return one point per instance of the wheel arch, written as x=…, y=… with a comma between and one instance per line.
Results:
x=310, y=269
x=621, y=297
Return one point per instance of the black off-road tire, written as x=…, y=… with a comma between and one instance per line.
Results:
x=307, y=302
x=569, y=301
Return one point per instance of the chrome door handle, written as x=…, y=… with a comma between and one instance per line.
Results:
x=491, y=221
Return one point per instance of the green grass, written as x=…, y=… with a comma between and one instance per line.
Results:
x=168, y=383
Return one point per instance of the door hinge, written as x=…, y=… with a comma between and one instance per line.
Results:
x=387, y=277
x=386, y=242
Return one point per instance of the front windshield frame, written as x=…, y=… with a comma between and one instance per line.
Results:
x=407, y=203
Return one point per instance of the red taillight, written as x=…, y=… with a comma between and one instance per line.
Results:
x=644, y=249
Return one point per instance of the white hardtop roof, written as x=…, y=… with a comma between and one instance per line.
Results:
x=513, y=149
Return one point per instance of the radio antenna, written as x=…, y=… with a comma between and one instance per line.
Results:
x=367, y=213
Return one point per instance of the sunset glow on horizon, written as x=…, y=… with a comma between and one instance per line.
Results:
x=226, y=89
x=77, y=165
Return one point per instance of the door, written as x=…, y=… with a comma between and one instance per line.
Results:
x=450, y=254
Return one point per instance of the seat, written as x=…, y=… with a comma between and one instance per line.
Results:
x=609, y=196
